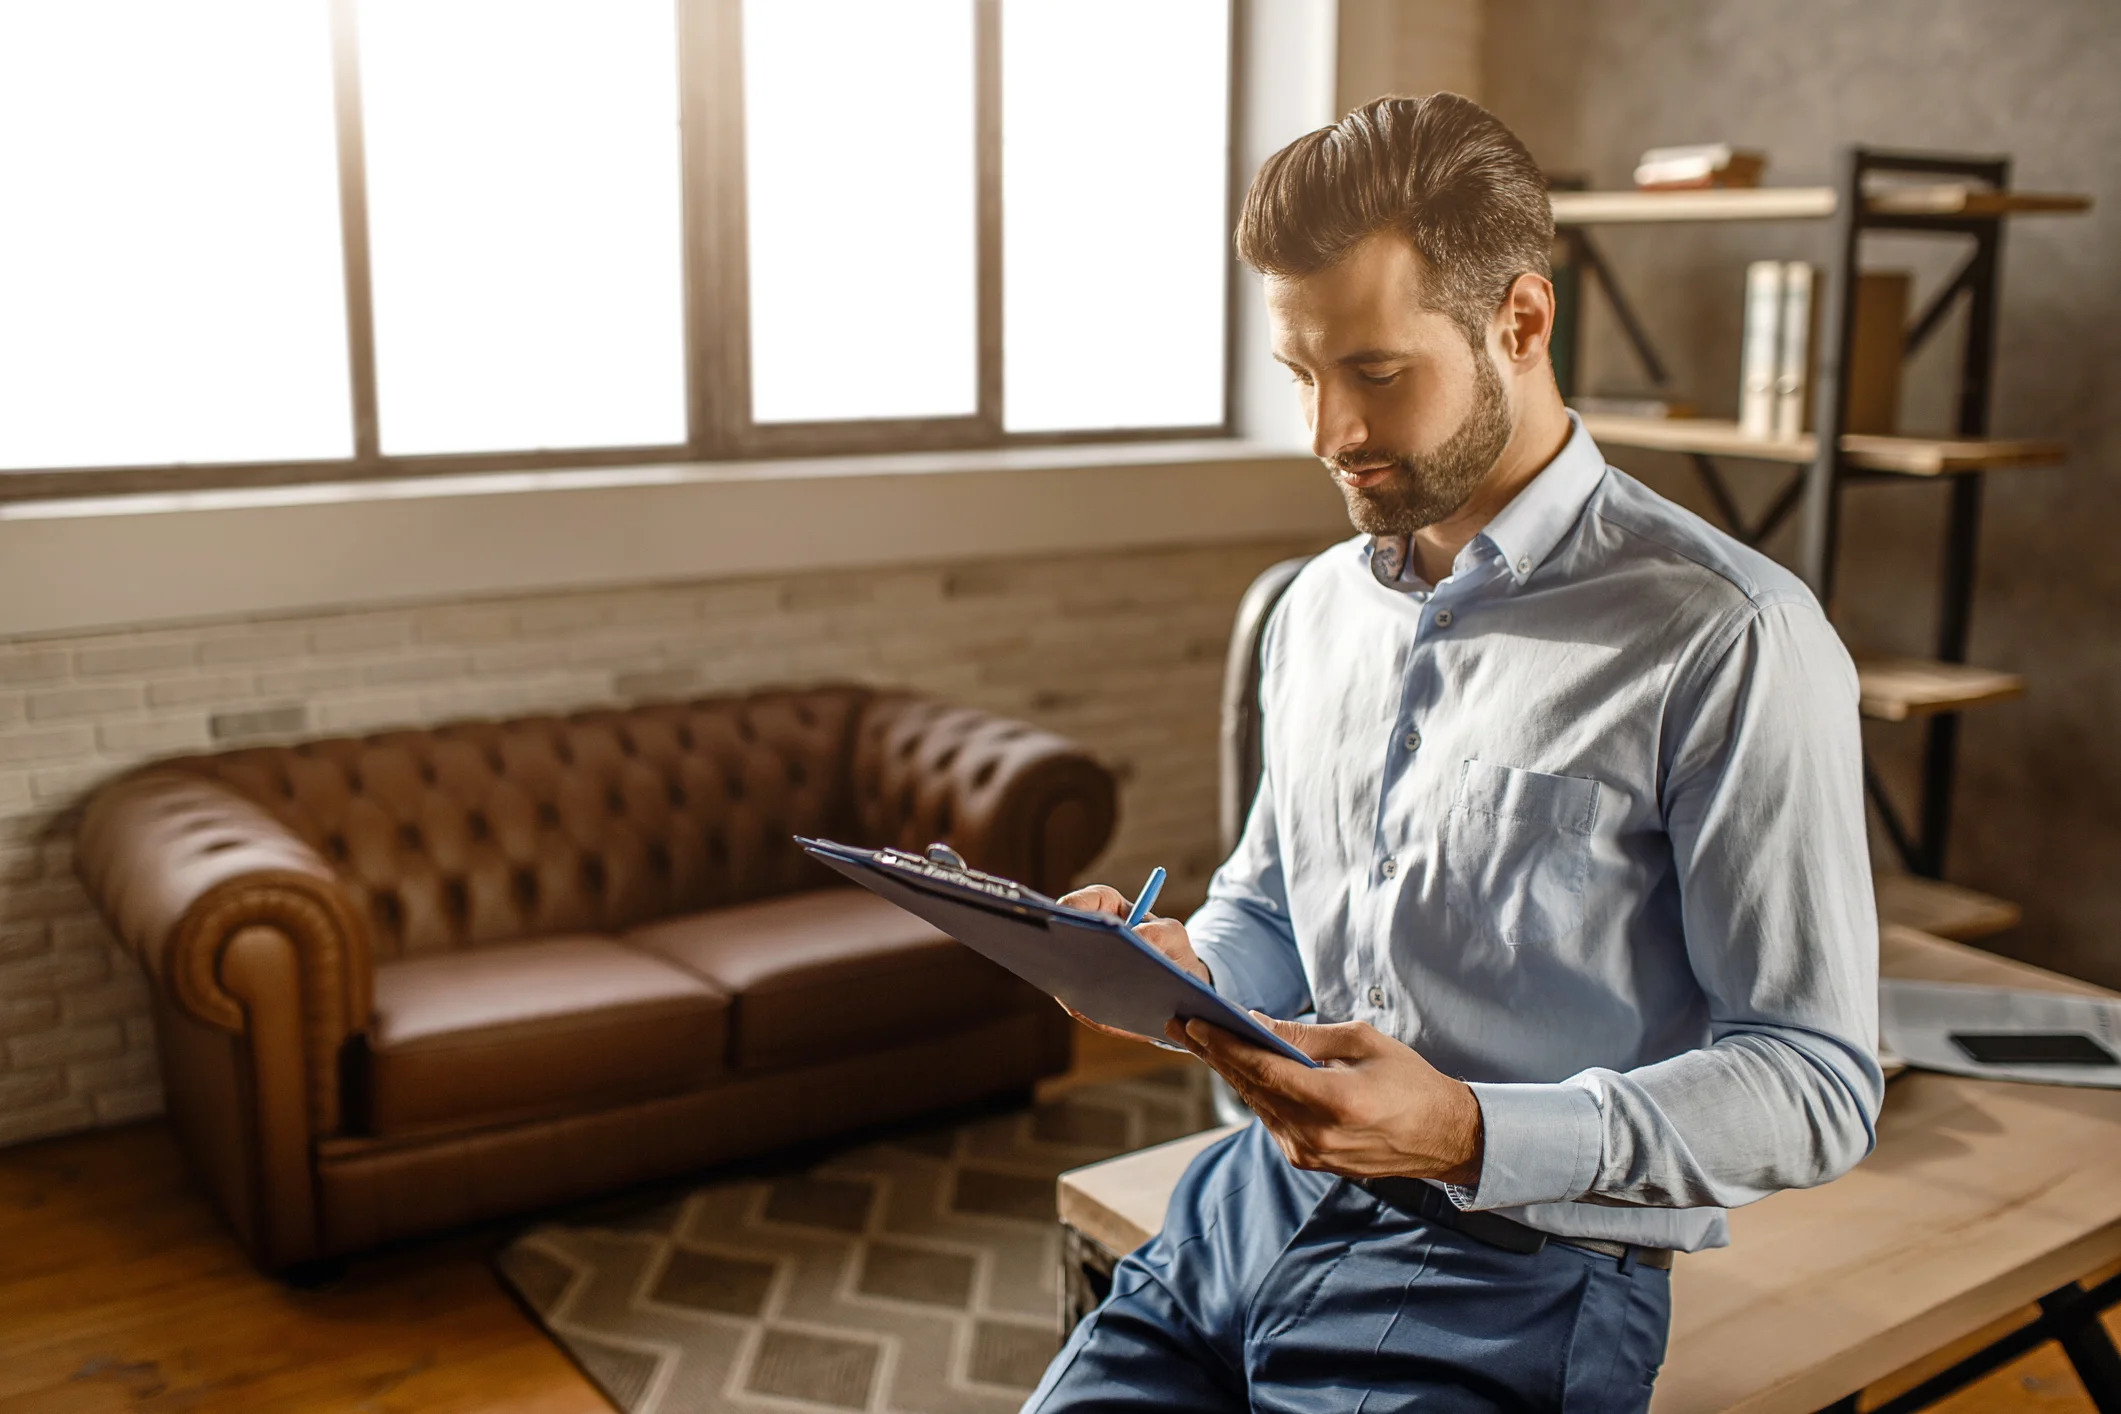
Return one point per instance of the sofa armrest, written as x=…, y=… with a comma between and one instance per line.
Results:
x=181, y=866
x=1011, y=798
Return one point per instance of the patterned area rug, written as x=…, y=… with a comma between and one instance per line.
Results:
x=917, y=1273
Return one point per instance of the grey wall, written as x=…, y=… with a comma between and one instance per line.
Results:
x=1590, y=83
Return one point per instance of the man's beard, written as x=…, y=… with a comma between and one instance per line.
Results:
x=1425, y=489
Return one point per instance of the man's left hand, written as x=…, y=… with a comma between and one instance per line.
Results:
x=1373, y=1108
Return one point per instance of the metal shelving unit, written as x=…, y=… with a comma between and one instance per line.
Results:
x=1932, y=194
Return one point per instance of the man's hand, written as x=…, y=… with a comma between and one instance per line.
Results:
x=1374, y=1108
x=1166, y=935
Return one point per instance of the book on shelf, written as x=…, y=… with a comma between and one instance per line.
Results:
x=1698, y=165
x=1875, y=347
x=1779, y=353
x=1795, y=338
x=1759, y=348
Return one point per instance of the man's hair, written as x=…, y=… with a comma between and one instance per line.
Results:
x=1442, y=171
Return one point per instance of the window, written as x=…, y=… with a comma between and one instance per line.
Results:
x=267, y=240
x=861, y=185
x=524, y=244
x=170, y=275
x=1115, y=143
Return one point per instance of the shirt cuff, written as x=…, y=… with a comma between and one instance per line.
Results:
x=1539, y=1144
x=1233, y=982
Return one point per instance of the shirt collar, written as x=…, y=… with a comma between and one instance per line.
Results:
x=1525, y=531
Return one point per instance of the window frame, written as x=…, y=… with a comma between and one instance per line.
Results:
x=717, y=335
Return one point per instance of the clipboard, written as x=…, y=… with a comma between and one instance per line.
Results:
x=1093, y=962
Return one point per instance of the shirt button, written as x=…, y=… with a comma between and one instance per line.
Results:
x=1390, y=867
x=1443, y=618
x=1413, y=741
x=1377, y=996
x=1524, y=564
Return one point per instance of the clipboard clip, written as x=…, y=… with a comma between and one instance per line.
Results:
x=946, y=865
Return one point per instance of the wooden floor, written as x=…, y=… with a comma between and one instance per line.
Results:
x=120, y=1291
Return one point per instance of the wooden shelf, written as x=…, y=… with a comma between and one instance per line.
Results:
x=1948, y=911
x=1895, y=689
x=1904, y=456
x=1952, y=199
x=1615, y=208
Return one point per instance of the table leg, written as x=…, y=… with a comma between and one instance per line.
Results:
x=2074, y=1314
x=1086, y=1276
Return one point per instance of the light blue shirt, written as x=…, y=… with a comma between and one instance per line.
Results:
x=1582, y=824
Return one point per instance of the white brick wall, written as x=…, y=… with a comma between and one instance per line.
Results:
x=1122, y=652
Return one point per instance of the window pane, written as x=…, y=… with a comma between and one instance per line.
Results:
x=860, y=181
x=523, y=195
x=171, y=285
x=1115, y=242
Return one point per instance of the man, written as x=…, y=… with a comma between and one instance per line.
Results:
x=1560, y=832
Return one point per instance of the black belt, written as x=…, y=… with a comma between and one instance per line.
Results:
x=1427, y=1202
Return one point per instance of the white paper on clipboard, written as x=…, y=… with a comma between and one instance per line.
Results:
x=1915, y=1019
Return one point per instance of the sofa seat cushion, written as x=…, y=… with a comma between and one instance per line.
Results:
x=831, y=973
x=528, y=1029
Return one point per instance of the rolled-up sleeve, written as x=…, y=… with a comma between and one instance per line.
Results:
x=1763, y=802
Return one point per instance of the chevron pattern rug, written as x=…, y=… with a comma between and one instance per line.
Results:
x=918, y=1273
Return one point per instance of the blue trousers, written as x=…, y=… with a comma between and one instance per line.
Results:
x=1274, y=1289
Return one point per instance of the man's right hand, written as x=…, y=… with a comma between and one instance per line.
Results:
x=1166, y=935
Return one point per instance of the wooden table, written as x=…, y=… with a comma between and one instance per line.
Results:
x=1981, y=1198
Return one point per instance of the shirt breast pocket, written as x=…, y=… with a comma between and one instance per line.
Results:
x=1516, y=847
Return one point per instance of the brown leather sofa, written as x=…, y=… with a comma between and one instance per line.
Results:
x=410, y=980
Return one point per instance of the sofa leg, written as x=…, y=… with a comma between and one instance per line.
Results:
x=317, y=1274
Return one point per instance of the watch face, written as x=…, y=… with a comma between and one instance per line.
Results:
x=2032, y=1048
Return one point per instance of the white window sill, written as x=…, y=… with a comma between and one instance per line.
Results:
x=123, y=560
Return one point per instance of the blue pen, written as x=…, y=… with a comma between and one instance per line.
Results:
x=1147, y=897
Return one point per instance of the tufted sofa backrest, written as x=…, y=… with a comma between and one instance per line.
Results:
x=488, y=831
